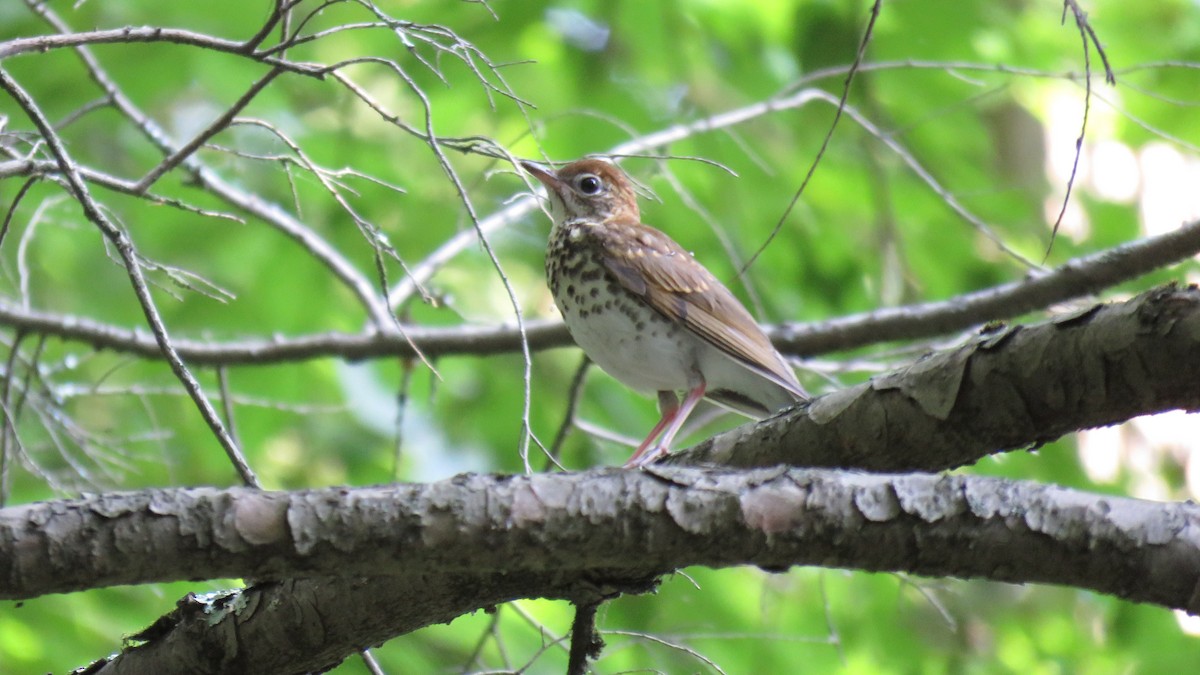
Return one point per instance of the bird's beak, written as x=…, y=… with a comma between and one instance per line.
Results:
x=545, y=177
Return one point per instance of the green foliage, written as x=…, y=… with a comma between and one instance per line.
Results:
x=866, y=233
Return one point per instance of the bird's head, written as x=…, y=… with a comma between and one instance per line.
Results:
x=590, y=189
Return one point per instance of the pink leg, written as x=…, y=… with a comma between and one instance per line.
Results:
x=677, y=418
x=668, y=406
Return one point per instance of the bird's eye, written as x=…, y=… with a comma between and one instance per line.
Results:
x=588, y=184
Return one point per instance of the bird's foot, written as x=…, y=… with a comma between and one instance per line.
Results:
x=646, y=457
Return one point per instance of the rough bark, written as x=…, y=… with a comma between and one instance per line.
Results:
x=629, y=523
x=1011, y=387
x=419, y=554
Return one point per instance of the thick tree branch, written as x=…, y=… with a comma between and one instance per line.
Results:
x=1011, y=388
x=311, y=625
x=551, y=541
x=1018, y=386
x=615, y=522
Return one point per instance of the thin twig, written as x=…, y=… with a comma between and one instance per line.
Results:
x=927, y=177
x=208, y=179
x=217, y=125
x=837, y=116
x=574, y=395
x=8, y=431
x=128, y=253
x=527, y=376
x=1085, y=32
x=227, y=403
x=585, y=642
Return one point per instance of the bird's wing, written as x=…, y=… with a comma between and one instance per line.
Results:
x=653, y=266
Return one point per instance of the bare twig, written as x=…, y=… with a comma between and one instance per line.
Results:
x=1085, y=32
x=924, y=174
x=837, y=116
x=527, y=379
x=574, y=394
x=8, y=430
x=227, y=403
x=269, y=212
x=130, y=34
x=217, y=125
x=128, y=253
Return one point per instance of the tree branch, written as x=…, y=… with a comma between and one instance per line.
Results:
x=1078, y=277
x=611, y=523
x=39, y=44
x=1016, y=387
x=311, y=625
x=1013, y=387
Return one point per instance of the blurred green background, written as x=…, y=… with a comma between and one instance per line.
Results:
x=986, y=96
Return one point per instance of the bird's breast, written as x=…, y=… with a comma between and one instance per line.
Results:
x=618, y=330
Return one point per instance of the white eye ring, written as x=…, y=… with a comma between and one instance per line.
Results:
x=588, y=183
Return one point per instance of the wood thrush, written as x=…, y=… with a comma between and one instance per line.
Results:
x=642, y=308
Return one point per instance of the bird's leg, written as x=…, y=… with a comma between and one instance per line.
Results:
x=675, y=419
x=668, y=407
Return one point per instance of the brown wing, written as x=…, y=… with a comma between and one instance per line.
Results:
x=650, y=264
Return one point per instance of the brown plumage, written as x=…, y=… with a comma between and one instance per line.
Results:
x=647, y=312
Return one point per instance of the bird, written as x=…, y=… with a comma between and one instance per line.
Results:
x=647, y=312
